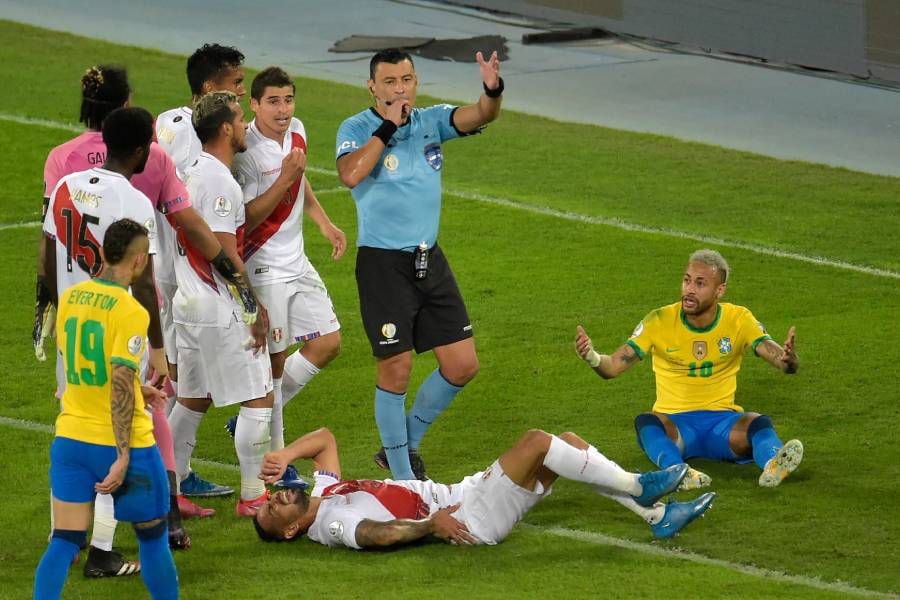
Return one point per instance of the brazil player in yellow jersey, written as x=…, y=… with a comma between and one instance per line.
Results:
x=697, y=346
x=104, y=436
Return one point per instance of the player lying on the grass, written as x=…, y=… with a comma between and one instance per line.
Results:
x=697, y=346
x=480, y=509
x=104, y=436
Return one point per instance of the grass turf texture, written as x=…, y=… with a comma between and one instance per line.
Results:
x=527, y=280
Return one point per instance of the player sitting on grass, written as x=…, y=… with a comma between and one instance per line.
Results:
x=697, y=346
x=480, y=509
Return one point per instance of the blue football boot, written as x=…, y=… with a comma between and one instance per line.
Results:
x=196, y=486
x=231, y=425
x=291, y=480
x=679, y=514
x=657, y=484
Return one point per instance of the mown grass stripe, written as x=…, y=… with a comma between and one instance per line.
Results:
x=555, y=213
x=592, y=537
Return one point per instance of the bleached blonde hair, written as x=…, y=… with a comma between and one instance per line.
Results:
x=712, y=259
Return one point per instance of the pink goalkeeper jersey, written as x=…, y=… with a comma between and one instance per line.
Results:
x=273, y=251
x=159, y=182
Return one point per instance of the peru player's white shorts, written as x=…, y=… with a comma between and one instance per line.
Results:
x=492, y=504
x=213, y=360
x=166, y=317
x=300, y=310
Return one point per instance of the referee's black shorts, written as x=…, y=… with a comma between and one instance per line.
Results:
x=401, y=312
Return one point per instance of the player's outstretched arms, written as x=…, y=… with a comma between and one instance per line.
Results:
x=319, y=445
x=604, y=365
x=783, y=358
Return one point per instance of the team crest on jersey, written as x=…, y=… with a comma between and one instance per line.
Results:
x=700, y=350
x=134, y=345
x=724, y=345
x=177, y=119
x=222, y=206
x=434, y=156
x=391, y=162
x=277, y=334
x=638, y=330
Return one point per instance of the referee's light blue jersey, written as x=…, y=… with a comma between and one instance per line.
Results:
x=398, y=205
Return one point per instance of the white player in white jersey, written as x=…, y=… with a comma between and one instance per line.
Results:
x=210, y=68
x=277, y=195
x=481, y=509
x=223, y=362
x=84, y=204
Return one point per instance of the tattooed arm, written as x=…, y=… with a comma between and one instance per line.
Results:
x=605, y=366
x=784, y=359
x=441, y=524
x=122, y=405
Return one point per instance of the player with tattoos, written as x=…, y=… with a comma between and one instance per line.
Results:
x=697, y=346
x=104, y=436
x=481, y=509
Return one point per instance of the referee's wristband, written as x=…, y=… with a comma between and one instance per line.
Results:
x=496, y=92
x=384, y=132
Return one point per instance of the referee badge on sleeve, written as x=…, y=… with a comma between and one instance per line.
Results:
x=434, y=156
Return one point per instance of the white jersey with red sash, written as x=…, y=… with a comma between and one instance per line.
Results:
x=346, y=503
x=82, y=206
x=273, y=251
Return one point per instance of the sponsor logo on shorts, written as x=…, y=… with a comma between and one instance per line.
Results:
x=309, y=336
x=388, y=330
x=391, y=162
x=468, y=327
x=222, y=206
x=259, y=270
x=724, y=345
x=277, y=334
x=134, y=345
x=336, y=529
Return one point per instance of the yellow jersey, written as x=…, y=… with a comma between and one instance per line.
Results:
x=99, y=325
x=696, y=369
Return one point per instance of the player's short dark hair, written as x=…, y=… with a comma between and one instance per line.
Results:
x=268, y=537
x=118, y=238
x=270, y=77
x=208, y=62
x=392, y=55
x=210, y=112
x=127, y=129
x=104, y=88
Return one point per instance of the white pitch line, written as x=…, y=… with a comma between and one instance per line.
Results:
x=24, y=225
x=572, y=216
x=593, y=538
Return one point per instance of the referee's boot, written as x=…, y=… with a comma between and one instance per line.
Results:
x=415, y=462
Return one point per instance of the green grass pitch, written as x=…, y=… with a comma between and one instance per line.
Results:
x=528, y=279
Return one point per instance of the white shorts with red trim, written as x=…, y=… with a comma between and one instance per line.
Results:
x=299, y=309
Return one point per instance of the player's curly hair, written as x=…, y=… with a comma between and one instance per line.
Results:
x=118, y=238
x=125, y=130
x=104, y=88
x=210, y=112
x=209, y=62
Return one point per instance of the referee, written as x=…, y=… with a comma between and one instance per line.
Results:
x=390, y=157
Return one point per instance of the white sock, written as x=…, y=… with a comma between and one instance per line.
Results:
x=251, y=441
x=170, y=401
x=298, y=371
x=277, y=416
x=651, y=514
x=104, y=522
x=184, y=423
x=590, y=467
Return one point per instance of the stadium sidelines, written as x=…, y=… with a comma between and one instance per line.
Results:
x=595, y=538
x=552, y=212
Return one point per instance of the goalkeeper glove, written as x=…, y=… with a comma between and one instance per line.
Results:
x=44, y=319
x=238, y=286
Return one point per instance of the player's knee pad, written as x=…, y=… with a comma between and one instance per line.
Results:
x=758, y=424
x=79, y=538
x=647, y=420
x=150, y=530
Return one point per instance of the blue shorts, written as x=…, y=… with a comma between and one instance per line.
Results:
x=76, y=466
x=705, y=434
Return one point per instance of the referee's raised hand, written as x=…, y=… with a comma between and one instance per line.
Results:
x=490, y=70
